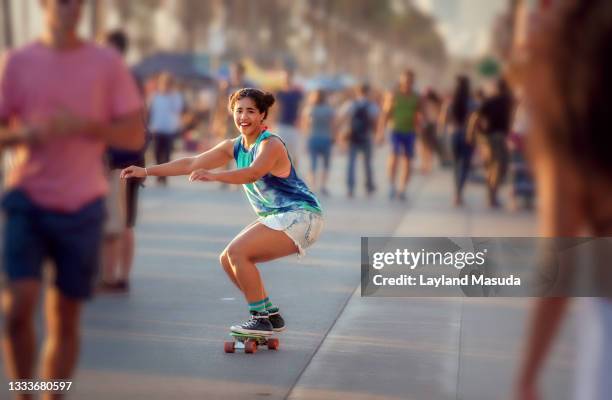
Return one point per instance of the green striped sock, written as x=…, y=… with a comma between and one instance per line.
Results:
x=269, y=305
x=258, y=306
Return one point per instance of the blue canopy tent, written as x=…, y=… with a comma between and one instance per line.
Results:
x=184, y=67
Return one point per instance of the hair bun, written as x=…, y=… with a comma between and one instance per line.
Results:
x=269, y=99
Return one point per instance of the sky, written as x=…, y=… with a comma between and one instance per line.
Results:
x=465, y=25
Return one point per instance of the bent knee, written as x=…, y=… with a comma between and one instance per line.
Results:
x=224, y=259
x=235, y=254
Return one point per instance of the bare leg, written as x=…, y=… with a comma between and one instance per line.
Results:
x=19, y=302
x=61, y=348
x=426, y=162
x=126, y=255
x=257, y=244
x=392, y=170
x=110, y=258
x=405, y=177
x=229, y=270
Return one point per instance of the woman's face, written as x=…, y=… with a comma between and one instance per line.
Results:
x=247, y=117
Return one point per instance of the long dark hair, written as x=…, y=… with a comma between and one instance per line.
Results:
x=568, y=83
x=460, y=106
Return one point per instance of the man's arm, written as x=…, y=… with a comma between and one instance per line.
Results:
x=384, y=117
x=419, y=115
x=126, y=132
x=473, y=123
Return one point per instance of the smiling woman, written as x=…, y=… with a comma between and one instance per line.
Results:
x=289, y=215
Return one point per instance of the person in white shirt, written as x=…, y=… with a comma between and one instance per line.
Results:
x=165, y=115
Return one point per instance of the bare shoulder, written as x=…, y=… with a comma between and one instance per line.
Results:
x=273, y=144
x=227, y=145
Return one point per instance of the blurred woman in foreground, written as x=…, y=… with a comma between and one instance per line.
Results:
x=569, y=96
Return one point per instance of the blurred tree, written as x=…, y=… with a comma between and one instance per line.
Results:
x=361, y=37
x=139, y=14
x=194, y=16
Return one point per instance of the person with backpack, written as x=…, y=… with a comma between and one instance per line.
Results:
x=361, y=115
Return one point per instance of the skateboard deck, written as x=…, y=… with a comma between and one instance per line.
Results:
x=249, y=342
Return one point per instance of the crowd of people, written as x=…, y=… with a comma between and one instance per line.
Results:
x=460, y=128
x=66, y=104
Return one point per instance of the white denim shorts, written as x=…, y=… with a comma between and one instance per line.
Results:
x=303, y=227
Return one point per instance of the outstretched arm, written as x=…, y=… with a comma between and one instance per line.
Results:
x=213, y=158
x=270, y=154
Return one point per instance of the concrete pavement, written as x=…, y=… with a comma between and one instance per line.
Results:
x=164, y=340
x=434, y=348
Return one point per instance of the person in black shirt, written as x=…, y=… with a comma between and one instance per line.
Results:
x=493, y=122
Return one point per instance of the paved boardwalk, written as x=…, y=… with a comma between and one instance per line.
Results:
x=164, y=340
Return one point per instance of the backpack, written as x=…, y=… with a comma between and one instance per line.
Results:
x=360, y=124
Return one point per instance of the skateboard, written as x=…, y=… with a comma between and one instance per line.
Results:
x=249, y=343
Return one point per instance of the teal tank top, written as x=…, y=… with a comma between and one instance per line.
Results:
x=270, y=194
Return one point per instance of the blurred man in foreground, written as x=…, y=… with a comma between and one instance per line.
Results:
x=69, y=99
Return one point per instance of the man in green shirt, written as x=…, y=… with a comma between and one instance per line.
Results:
x=400, y=112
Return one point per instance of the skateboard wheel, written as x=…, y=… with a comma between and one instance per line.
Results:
x=229, y=347
x=273, y=344
x=250, y=346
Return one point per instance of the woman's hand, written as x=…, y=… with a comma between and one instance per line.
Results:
x=201, y=175
x=133, y=172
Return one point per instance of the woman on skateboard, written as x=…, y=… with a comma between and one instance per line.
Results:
x=289, y=214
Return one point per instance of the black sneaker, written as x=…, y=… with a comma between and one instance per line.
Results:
x=278, y=323
x=259, y=324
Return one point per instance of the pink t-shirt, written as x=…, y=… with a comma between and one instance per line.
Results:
x=38, y=82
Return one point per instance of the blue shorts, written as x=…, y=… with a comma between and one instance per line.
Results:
x=403, y=143
x=71, y=240
x=319, y=146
